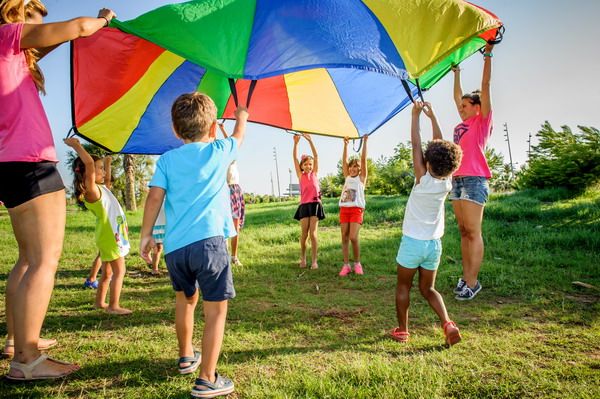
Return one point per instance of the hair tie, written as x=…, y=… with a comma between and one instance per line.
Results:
x=303, y=157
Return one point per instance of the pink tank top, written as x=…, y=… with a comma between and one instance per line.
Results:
x=472, y=136
x=309, y=188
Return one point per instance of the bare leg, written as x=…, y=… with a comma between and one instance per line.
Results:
x=345, y=228
x=116, y=285
x=304, y=224
x=314, y=245
x=103, y=285
x=427, y=288
x=215, y=314
x=14, y=278
x=234, y=240
x=184, y=323
x=403, y=286
x=353, y=235
x=96, y=265
x=156, y=258
x=39, y=227
x=469, y=216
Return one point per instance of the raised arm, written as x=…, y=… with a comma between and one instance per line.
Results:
x=295, y=156
x=435, y=126
x=345, y=157
x=92, y=193
x=108, y=171
x=314, y=152
x=223, y=131
x=239, y=130
x=154, y=201
x=52, y=34
x=415, y=139
x=363, y=160
x=486, y=98
x=458, y=93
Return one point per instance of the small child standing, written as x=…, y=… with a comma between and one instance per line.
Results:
x=352, y=206
x=421, y=247
x=111, y=226
x=193, y=178
x=158, y=234
x=310, y=210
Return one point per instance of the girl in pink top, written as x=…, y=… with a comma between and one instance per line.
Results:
x=310, y=210
x=34, y=193
x=470, y=182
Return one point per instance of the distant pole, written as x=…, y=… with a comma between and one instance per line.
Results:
x=512, y=169
x=272, y=186
x=290, y=189
x=277, y=171
x=529, y=146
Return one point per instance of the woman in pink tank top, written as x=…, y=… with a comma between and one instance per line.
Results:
x=310, y=210
x=34, y=193
x=470, y=182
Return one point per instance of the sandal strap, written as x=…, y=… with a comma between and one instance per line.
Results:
x=27, y=368
x=448, y=323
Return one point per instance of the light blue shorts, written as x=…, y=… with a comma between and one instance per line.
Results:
x=415, y=253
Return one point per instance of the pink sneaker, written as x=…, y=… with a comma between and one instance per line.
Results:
x=358, y=268
x=345, y=270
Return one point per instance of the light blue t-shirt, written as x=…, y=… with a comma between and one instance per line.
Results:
x=197, y=206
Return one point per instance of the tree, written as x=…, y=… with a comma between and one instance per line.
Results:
x=129, y=174
x=502, y=178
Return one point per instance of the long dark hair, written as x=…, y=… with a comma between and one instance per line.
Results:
x=78, y=168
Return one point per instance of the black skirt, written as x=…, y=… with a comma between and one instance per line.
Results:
x=310, y=209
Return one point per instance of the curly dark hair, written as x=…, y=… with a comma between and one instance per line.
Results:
x=443, y=156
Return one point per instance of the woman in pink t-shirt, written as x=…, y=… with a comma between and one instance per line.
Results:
x=310, y=210
x=34, y=193
x=470, y=182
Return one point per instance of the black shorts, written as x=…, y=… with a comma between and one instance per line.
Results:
x=203, y=264
x=23, y=181
x=310, y=209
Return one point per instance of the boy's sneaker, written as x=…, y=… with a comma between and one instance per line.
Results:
x=345, y=270
x=460, y=286
x=358, y=268
x=468, y=293
x=207, y=389
x=90, y=284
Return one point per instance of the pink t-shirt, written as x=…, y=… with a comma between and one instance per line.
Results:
x=472, y=136
x=25, y=134
x=309, y=188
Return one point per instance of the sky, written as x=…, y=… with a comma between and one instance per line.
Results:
x=546, y=68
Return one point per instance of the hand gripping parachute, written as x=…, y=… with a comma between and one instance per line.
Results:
x=330, y=67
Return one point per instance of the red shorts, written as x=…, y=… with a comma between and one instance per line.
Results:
x=351, y=214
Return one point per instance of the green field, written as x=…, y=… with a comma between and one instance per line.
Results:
x=292, y=333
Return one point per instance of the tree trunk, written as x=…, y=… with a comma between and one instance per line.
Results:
x=129, y=168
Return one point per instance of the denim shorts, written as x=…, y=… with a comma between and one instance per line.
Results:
x=470, y=188
x=203, y=264
x=415, y=253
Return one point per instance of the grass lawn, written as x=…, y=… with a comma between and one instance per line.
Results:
x=291, y=333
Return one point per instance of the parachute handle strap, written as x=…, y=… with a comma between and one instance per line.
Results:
x=499, y=36
x=419, y=89
x=71, y=132
x=407, y=89
x=235, y=95
x=360, y=143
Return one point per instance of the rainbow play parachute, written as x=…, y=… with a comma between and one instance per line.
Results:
x=330, y=67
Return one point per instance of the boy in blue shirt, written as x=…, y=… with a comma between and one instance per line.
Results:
x=198, y=222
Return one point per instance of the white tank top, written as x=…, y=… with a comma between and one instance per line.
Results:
x=353, y=193
x=424, y=215
x=233, y=174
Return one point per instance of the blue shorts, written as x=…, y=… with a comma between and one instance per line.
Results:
x=203, y=264
x=470, y=188
x=415, y=253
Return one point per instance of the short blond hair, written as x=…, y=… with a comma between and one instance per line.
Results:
x=193, y=114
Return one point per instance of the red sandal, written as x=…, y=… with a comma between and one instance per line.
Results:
x=451, y=332
x=401, y=336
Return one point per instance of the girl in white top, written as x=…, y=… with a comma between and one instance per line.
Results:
x=352, y=205
x=421, y=247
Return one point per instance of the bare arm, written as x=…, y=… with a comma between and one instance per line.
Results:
x=435, y=126
x=42, y=52
x=295, y=156
x=52, y=34
x=239, y=131
x=154, y=201
x=314, y=152
x=363, y=161
x=415, y=140
x=345, y=157
x=92, y=192
x=108, y=171
x=458, y=93
x=486, y=99
x=222, y=128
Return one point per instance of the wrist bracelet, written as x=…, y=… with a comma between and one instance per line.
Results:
x=107, y=21
x=488, y=55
